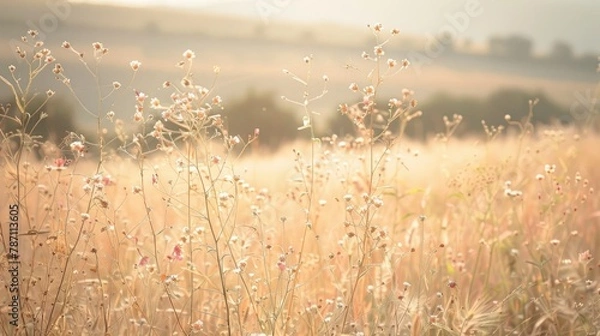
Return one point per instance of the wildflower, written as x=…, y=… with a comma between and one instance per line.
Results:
x=550, y=169
x=369, y=90
x=198, y=325
x=395, y=31
x=177, y=252
x=135, y=65
x=554, y=242
x=138, y=116
x=116, y=85
x=78, y=147
x=307, y=59
x=377, y=27
x=85, y=216
x=154, y=103
x=97, y=46
x=243, y=263
x=66, y=45
x=61, y=163
x=107, y=180
x=377, y=202
x=140, y=96
x=12, y=68
x=512, y=193
x=203, y=91
x=585, y=256
x=158, y=126
x=189, y=55
x=354, y=87
x=217, y=100
x=378, y=50
x=143, y=261
x=49, y=93
x=186, y=82
x=235, y=140
x=343, y=108
x=539, y=177
x=171, y=278
x=57, y=69
x=110, y=115
x=391, y=63
x=405, y=63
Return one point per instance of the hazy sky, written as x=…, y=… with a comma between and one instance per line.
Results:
x=545, y=21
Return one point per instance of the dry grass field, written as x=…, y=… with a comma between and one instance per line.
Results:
x=174, y=230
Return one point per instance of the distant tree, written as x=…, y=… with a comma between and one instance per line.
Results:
x=496, y=46
x=516, y=103
x=519, y=47
x=152, y=28
x=561, y=51
x=589, y=62
x=515, y=47
x=448, y=40
x=261, y=110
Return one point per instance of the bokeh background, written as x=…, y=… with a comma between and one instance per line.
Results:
x=482, y=59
